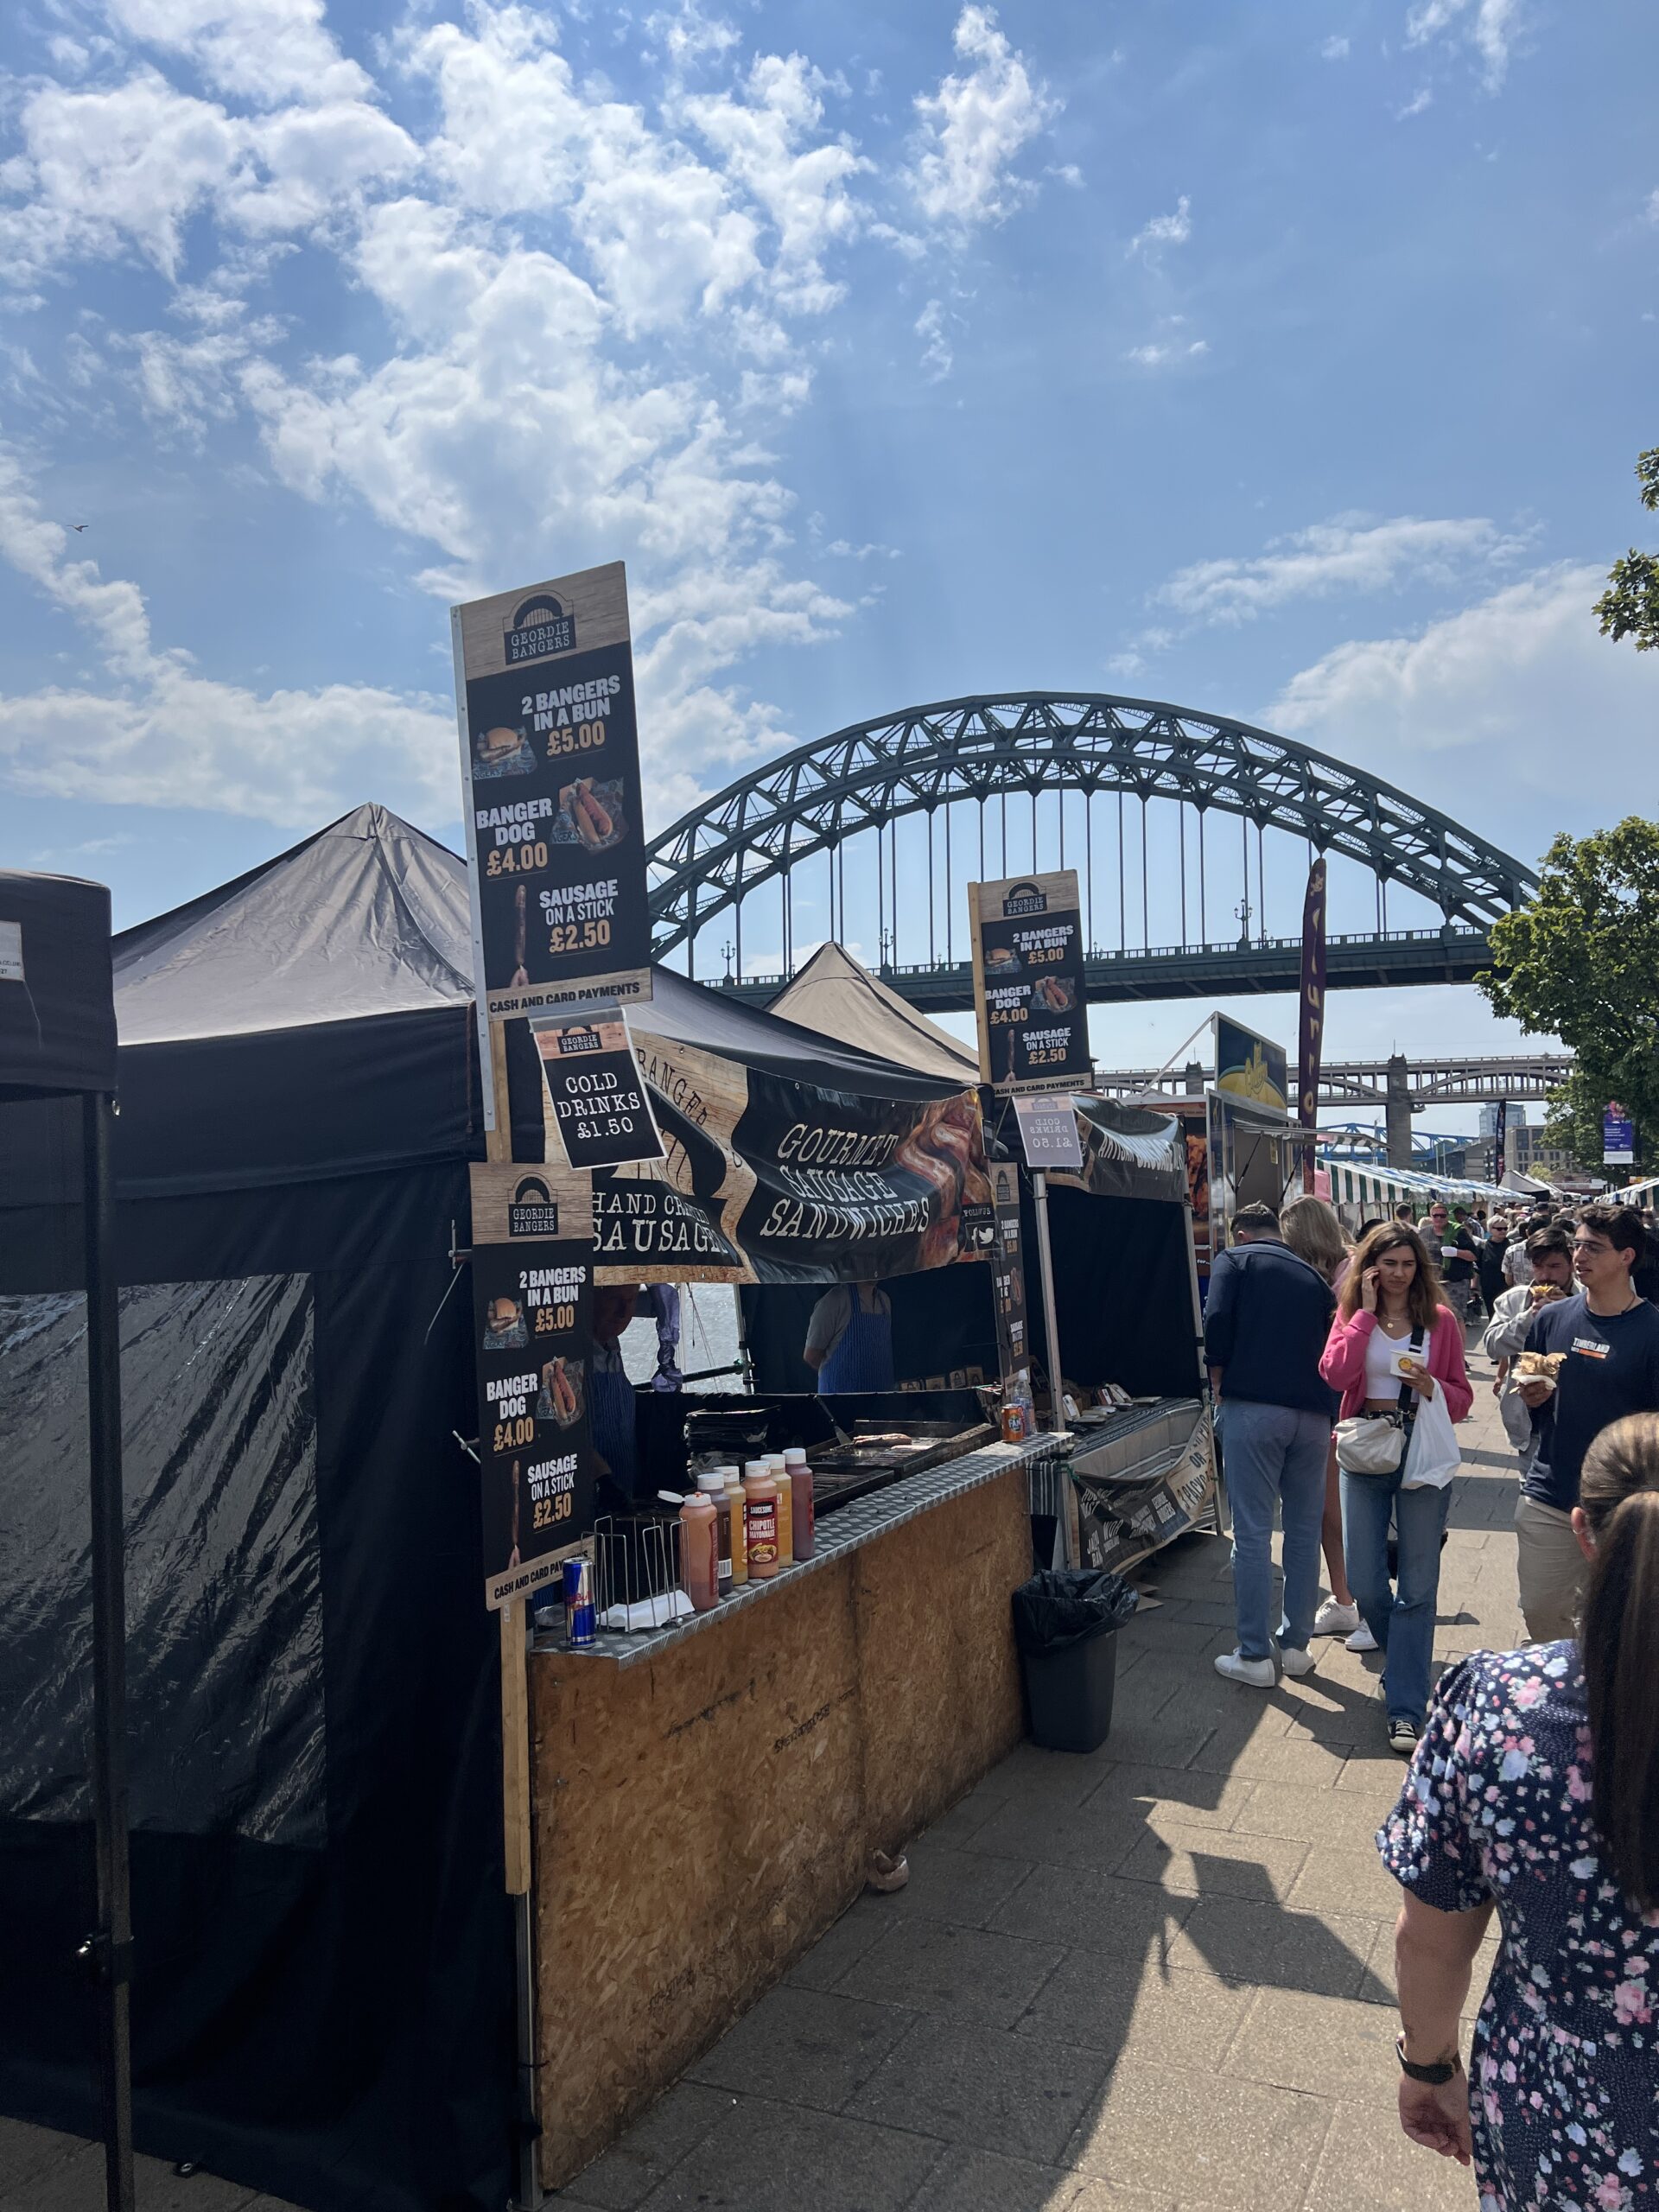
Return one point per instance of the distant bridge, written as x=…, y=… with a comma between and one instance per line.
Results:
x=1517, y=1077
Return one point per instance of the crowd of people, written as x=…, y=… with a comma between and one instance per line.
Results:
x=1339, y=1373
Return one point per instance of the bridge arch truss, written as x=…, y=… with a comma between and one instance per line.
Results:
x=928, y=761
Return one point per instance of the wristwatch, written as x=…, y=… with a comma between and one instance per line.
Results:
x=1437, y=2075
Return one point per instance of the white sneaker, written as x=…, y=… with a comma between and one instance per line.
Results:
x=1258, y=1673
x=1333, y=1620
x=1294, y=1661
x=1361, y=1639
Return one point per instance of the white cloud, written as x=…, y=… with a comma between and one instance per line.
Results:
x=1653, y=208
x=973, y=127
x=1420, y=101
x=130, y=166
x=1491, y=27
x=263, y=50
x=107, y=169
x=1159, y=353
x=1341, y=555
x=1334, y=49
x=1163, y=231
x=1517, y=696
x=164, y=736
x=802, y=187
x=937, y=359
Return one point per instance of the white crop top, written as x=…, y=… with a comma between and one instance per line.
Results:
x=1381, y=1381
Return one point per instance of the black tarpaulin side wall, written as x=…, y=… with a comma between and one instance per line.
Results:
x=332, y=2026
x=942, y=1318
x=57, y=1026
x=1123, y=1291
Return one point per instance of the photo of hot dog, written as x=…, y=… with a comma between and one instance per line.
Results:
x=1052, y=995
x=594, y=811
x=560, y=1397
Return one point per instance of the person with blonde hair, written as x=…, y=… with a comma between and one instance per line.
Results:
x=1313, y=1233
x=1535, y=1792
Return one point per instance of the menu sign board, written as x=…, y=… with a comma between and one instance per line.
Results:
x=594, y=1088
x=532, y=1318
x=1028, y=982
x=550, y=765
x=1617, y=1136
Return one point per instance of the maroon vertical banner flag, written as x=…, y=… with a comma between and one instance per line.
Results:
x=1310, y=1039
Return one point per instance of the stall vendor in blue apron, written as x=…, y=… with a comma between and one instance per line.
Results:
x=610, y=1400
x=849, y=1339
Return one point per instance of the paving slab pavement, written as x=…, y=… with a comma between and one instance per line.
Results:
x=1155, y=1978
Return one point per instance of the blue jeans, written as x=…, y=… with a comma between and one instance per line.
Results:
x=1274, y=1456
x=1403, y=1619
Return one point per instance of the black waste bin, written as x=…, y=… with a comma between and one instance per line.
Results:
x=1065, y=1624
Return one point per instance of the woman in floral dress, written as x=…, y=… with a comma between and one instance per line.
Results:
x=1536, y=1791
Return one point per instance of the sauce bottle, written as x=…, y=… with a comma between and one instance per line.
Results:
x=700, y=1551
x=803, y=1514
x=713, y=1486
x=699, y=1547
x=777, y=1466
x=735, y=1511
x=760, y=1521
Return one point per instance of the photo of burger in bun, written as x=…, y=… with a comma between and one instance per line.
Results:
x=594, y=811
x=501, y=750
x=1001, y=964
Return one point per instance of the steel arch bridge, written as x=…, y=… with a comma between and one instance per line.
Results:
x=930, y=761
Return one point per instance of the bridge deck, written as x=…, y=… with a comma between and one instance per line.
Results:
x=1444, y=956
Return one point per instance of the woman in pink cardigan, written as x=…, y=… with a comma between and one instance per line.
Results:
x=1392, y=1327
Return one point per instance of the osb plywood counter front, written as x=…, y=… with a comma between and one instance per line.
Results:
x=704, y=1810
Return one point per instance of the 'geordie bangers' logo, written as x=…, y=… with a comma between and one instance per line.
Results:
x=539, y=627
x=533, y=1211
x=1025, y=898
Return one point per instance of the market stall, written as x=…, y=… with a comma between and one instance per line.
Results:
x=323, y=1983
x=1121, y=1234
x=1371, y=1192
x=820, y=1713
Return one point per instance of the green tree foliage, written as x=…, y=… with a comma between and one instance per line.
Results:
x=1630, y=605
x=1582, y=961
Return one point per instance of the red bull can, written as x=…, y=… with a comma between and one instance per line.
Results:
x=580, y=1626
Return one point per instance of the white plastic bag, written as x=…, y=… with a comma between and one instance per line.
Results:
x=1432, y=1457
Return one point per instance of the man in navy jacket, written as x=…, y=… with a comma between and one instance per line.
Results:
x=1266, y=1321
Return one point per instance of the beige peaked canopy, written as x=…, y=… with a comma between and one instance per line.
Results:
x=835, y=997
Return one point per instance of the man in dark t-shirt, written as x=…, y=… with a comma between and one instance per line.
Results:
x=1607, y=1343
x=1455, y=1250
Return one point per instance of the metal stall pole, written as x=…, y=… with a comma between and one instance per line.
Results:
x=1056, y=1369
x=108, y=1950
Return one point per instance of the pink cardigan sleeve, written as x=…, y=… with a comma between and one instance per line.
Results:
x=1342, y=1362
x=1445, y=1364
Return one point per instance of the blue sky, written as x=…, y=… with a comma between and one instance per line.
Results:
x=1289, y=361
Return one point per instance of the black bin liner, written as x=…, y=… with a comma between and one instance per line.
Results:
x=1065, y=1605
x=1065, y=1622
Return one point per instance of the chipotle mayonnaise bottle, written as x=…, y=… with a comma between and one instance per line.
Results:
x=760, y=1521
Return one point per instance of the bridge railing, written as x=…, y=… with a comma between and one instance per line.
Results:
x=1122, y=956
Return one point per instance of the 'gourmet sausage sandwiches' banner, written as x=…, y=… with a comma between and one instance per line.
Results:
x=770, y=1179
x=551, y=763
